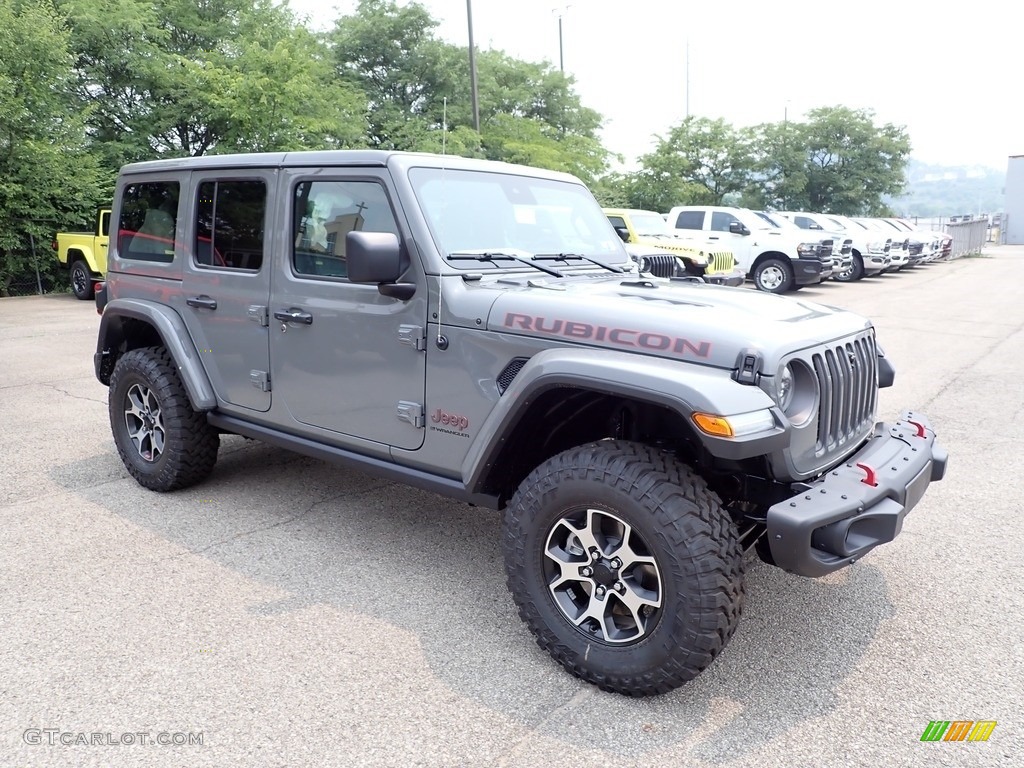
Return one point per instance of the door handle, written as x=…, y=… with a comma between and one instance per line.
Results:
x=203, y=302
x=293, y=316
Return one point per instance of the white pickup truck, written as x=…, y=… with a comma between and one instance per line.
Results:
x=777, y=260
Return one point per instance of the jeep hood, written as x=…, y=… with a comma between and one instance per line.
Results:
x=673, y=319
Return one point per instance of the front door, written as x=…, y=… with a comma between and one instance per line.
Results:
x=344, y=358
x=226, y=283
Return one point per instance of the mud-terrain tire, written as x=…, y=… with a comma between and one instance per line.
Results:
x=855, y=272
x=773, y=276
x=164, y=444
x=679, y=569
x=81, y=280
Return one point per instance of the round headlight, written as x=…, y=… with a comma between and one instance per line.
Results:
x=797, y=392
x=786, y=388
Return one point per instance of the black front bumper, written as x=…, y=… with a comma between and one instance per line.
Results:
x=731, y=279
x=809, y=271
x=843, y=515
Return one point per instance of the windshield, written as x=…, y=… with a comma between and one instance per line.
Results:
x=651, y=224
x=477, y=211
x=776, y=220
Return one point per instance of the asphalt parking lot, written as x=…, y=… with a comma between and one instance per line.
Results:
x=295, y=613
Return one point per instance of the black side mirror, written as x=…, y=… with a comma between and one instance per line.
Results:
x=378, y=258
x=737, y=228
x=623, y=234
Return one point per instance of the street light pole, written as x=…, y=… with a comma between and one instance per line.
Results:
x=472, y=68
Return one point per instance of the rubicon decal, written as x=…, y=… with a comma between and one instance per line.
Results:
x=623, y=337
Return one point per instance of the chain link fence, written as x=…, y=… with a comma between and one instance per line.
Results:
x=31, y=267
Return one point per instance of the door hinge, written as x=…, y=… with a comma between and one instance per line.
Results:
x=412, y=413
x=413, y=335
x=259, y=315
x=260, y=380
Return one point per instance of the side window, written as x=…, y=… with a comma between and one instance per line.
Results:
x=149, y=215
x=229, y=224
x=105, y=223
x=802, y=221
x=690, y=220
x=324, y=212
x=720, y=221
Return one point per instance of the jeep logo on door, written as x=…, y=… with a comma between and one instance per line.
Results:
x=456, y=423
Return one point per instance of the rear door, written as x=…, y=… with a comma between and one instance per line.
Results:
x=226, y=282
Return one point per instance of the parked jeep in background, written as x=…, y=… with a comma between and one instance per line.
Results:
x=477, y=329
x=776, y=260
x=85, y=255
x=648, y=228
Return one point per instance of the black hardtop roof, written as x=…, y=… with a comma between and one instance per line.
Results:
x=336, y=158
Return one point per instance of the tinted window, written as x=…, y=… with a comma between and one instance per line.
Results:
x=690, y=220
x=324, y=212
x=149, y=215
x=803, y=222
x=720, y=221
x=105, y=223
x=229, y=224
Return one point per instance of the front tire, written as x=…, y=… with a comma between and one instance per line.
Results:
x=773, y=276
x=164, y=444
x=854, y=272
x=81, y=280
x=624, y=565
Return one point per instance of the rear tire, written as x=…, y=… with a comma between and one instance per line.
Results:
x=164, y=444
x=773, y=276
x=661, y=597
x=81, y=280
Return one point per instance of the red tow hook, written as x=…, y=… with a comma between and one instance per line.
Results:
x=871, y=477
x=920, y=428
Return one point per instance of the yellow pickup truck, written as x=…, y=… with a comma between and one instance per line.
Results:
x=648, y=228
x=85, y=255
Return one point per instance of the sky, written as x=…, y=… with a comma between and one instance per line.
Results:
x=951, y=74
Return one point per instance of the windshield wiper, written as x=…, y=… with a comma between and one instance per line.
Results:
x=493, y=256
x=567, y=257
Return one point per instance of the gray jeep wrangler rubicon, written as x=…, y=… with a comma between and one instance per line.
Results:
x=477, y=329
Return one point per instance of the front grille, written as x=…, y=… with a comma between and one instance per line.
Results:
x=722, y=261
x=848, y=385
x=916, y=249
x=660, y=265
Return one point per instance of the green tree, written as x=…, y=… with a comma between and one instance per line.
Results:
x=700, y=162
x=48, y=178
x=851, y=163
x=778, y=180
x=177, y=77
x=416, y=85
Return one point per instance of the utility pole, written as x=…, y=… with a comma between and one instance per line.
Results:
x=687, y=77
x=472, y=68
x=561, y=50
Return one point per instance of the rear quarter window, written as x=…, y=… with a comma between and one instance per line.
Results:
x=148, y=220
